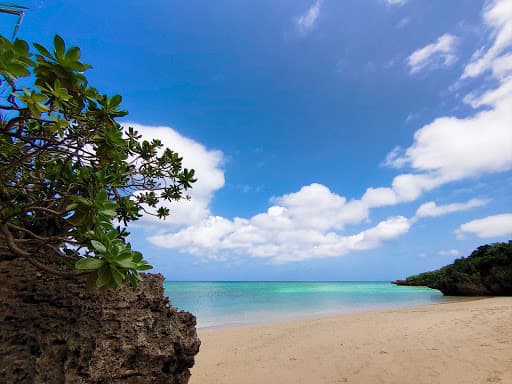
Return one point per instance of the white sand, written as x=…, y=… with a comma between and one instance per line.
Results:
x=456, y=343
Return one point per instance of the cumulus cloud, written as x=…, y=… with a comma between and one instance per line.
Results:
x=440, y=53
x=379, y=197
x=308, y=20
x=279, y=235
x=490, y=226
x=431, y=209
x=453, y=148
x=207, y=164
x=319, y=208
x=303, y=225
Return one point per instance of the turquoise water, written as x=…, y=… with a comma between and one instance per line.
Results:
x=229, y=304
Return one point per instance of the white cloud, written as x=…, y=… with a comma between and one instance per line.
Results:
x=409, y=187
x=451, y=148
x=307, y=224
x=490, y=226
x=440, y=53
x=498, y=17
x=502, y=66
x=449, y=252
x=431, y=209
x=395, y=2
x=456, y=148
x=379, y=197
x=207, y=164
x=394, y=159
x=308, y=20
x=319, y=208
x=276, y=236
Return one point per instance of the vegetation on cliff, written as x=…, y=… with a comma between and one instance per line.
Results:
x=71, y=177
x=487, y=271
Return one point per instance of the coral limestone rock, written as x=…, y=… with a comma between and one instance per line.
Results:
x=54, y=331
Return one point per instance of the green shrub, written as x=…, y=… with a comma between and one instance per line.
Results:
x=72, y=177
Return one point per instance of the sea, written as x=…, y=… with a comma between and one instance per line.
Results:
x=234, y=304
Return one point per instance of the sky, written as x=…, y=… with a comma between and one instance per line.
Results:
x=332, y=140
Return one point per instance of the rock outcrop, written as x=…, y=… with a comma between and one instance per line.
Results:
x=486, y=272
x=54, y=331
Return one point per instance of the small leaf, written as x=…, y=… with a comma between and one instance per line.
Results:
x=83, y=201
x=17, y=70
x=117, y=275
x=60, y=46
x=20, y=46
x=73, y=54
x=98, y=246
x=43, y=51
x=115, y=100
x=71, y=206
x=89, y=264
x=108, y=212
x=126, y=263
x=104, y=277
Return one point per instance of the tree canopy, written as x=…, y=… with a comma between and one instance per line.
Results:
x=71, y=177
x=487, y=271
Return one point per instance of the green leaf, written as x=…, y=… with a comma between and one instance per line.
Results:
x=115, y=100
x=117, y=275
x=89, y=264
x=83, y=201
x=43, y=51
x=98, y=246
x=71, y=206
x=108, y=212
x=73, y=54
x=126, y=262
x=60, y=46
x=104, y=276
x=17, y=70
x=137, y=256
x=20, y=46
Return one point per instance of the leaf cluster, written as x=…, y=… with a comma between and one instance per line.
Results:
x=71, y=177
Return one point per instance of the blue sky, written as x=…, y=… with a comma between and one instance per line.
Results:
x=354, y=140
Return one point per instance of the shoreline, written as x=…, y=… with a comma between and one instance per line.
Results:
x=334, y=313
x=464, y=341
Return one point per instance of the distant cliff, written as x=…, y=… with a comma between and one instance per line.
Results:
x=54, y=331
x=486, y=272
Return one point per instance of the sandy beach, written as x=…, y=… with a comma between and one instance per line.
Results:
x=459, y=342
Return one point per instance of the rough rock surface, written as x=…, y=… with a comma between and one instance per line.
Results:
x=53, y=331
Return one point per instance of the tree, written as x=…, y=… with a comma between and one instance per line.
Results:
x=72, y=177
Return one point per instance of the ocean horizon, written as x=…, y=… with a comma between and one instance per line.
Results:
x=227, y=304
